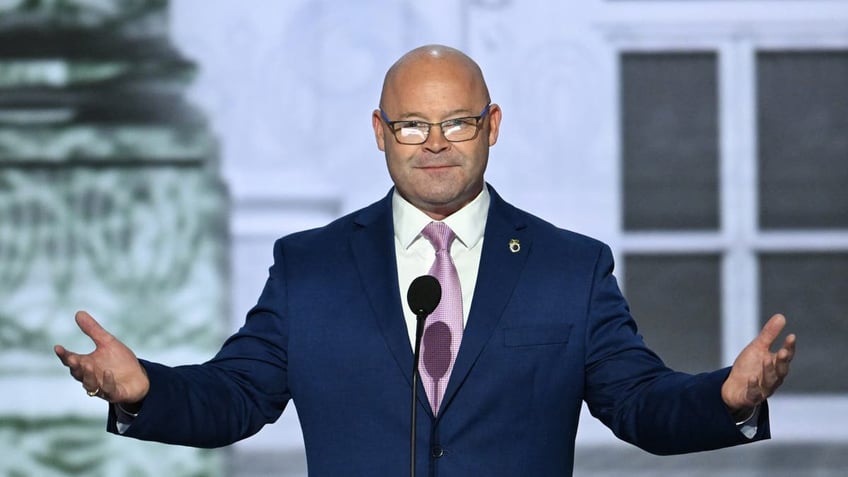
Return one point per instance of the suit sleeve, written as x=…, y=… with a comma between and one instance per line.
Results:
x=640, y=399
x=231, y=396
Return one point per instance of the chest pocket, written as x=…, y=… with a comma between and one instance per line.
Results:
x=539, y=335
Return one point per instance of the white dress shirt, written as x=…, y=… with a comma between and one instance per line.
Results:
x=415, y=254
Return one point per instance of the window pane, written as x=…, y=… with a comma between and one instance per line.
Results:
x=803, y=139
x=812, y=291
x=676, y=301
x=670, y=141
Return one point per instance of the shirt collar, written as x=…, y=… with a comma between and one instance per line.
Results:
x=468, y=223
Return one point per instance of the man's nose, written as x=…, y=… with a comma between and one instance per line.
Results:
x=436, y=141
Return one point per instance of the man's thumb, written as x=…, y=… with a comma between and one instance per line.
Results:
x=91, y=328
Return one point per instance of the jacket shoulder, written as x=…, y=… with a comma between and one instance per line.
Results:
x=545, y=232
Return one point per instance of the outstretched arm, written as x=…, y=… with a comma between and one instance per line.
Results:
x=757, y=372
x=111, y=372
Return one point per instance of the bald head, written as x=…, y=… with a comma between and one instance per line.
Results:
x=433, y=62
x=440, y=89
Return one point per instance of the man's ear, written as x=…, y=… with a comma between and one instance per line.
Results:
x=377, y=124
x=494, y=118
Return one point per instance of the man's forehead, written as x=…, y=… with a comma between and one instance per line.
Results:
x=436, y=102
x=432, y=86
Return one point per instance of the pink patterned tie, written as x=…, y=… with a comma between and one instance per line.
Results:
x=443, y=333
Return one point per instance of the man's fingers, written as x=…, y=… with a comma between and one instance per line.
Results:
x=771, y=330
x=789, y=346
x=753, y=394
x=88, y=369
x=770, y=378
x=71, y=360
x=784, y=357
x=89, y=380
x=92, y=328
x=774, y=372
x=77, y=372
x=762, y=371
x=109, y=388
x=64, y=355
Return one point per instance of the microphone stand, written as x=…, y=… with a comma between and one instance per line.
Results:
x=420, y=319
x=423, y=297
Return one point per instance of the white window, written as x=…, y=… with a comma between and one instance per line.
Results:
x=734, y=202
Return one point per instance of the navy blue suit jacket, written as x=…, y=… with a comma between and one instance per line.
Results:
x=548, y=329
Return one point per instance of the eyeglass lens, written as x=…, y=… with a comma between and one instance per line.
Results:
x=454, y=130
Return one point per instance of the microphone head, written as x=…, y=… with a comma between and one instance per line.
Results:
x=424, y=295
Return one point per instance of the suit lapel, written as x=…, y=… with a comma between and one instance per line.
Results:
x=373, y=247
x=498, y=275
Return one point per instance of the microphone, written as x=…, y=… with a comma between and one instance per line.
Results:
x=423, y=297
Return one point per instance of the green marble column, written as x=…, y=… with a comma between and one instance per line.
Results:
x=110, y=201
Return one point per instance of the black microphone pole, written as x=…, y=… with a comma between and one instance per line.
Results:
x=423, y=297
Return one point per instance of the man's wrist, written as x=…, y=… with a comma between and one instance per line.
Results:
x=743, y=415
x=130, y=410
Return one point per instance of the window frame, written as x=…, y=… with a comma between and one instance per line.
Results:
x=798, y=417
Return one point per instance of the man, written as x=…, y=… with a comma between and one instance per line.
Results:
x=543, y=326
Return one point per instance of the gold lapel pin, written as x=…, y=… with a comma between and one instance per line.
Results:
x=514, y=246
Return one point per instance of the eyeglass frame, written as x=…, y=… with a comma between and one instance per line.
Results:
x=391, y=125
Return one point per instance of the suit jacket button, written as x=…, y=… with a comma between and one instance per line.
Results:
x=437, y=452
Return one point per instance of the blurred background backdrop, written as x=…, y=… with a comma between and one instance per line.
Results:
x=151, y=152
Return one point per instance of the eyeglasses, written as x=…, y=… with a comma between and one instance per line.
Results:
x=454, y=130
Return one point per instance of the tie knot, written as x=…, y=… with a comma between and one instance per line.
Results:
x=439, y=234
